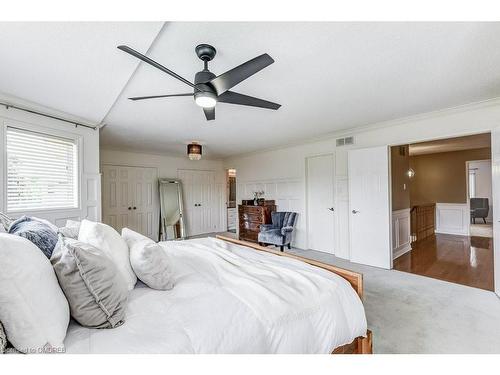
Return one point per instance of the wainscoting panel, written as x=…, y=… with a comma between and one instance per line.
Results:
x=289, y=196
x=400, y=232
x=342, y=217
x=452, y=218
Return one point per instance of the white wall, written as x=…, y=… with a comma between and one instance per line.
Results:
x=89, y=178
x=288, y=163
x=167, y=167
x=483, y=183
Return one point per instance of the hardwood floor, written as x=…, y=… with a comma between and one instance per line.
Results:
x=459, y=259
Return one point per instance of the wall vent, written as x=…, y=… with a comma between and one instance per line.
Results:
x=345, y=141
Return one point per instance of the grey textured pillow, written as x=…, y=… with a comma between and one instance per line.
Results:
x=95, y=289
x=42, y=233
x=3, y=339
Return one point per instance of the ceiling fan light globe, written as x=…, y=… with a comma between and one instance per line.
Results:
x=205, y=101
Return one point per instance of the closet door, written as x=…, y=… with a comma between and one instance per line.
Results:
x=207, y=200
x=130, y=199
x=320, y=203
x=201, y=201
x=145, y=202
x=117, y=196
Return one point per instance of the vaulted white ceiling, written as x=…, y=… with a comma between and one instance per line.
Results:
x=70, y=67
x=327, y=76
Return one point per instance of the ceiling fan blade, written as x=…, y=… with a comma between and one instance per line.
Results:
x=232, y=77
x=158, y=96
x=146, y=59
x=235, y=98
x=209, y=113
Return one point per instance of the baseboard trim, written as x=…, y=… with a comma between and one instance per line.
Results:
x=455, y=233
x=402, y=251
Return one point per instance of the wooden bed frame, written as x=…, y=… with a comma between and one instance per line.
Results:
x=360, y=345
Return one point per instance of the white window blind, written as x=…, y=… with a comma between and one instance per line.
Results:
x=41, y=171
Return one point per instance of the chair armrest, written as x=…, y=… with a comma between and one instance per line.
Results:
x=286, y=230
x=265, y=227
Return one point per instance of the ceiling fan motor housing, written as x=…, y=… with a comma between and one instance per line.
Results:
x=200, y=81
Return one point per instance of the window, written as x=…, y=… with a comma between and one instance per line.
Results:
x=41, y=171
x=472, y=183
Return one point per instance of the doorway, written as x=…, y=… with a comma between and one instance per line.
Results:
x=444, y=188
x=232, y=214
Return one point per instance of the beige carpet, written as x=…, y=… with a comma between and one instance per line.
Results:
x=481, y=230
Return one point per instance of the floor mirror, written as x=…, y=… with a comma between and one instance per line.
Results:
x=171, y=210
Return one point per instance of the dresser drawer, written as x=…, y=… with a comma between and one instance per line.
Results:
x=249, y=236
x=250, y=216
x=250, y=226
x=252, y=209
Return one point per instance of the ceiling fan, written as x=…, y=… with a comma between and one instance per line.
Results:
x=208, y=89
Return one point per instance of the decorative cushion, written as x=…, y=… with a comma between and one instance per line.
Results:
x=42, y=233
x=149, y=260
x=112, y=244
x=71, y=229
x=96, y=291
x=33, y=309
x=3, y=339
x=132, y=237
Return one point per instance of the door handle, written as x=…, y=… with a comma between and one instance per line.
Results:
x=331, y=209
x=130, y=208
x=135, y=208
x=355, y=212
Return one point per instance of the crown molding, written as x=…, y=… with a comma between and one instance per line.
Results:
x=32, y=106
x=378, y=125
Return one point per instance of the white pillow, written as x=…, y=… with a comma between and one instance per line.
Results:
x=149, y=260
x=112, y=244
x=33, y=309
x=131, y=237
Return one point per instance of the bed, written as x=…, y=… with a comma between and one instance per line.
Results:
x=231, y=296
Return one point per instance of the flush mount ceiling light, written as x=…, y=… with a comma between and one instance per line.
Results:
x=205, y=99
x=210, y=89
x=194, y=151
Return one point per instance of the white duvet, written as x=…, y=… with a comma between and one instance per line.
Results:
x=232, y=299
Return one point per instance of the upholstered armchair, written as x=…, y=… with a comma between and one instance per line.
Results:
x=479, y=208
x=279, y=233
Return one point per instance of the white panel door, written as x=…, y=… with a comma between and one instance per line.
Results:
x=370, y=223
x=117, y=196
x=145, y=202
x=495, y=172
x=320, y=203
x=201, y=201
x=130, y=199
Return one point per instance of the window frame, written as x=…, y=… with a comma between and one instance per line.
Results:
x=472, y=183
x=49, y=131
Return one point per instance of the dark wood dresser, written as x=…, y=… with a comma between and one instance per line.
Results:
x=250, y=218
